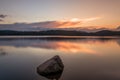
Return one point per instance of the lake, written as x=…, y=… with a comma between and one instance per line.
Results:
x=84, y=58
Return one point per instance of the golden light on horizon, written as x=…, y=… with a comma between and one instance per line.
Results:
x=75, y=22
x=91, y=19
x=103, y=13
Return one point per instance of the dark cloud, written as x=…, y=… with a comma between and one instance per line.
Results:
x=1, y=20
x=49, y=25
x=38, y=25
x=2, y=16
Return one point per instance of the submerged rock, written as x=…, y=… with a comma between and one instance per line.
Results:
x=51, y=67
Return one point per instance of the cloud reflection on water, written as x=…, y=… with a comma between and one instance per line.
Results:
x=29, y=53
x=65, y=45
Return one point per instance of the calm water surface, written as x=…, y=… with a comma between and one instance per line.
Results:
x=84, y=59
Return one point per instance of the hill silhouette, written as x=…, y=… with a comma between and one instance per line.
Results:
x=59, y=33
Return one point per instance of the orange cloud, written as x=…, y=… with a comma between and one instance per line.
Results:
x=75, y=22
x=91, y=19
x=67, y=24
x=71, y=23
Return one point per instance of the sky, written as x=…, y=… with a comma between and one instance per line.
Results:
x=60, y=13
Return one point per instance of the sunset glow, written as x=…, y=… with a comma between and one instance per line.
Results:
x=61, y=13
x=78, y=47
x=74, y=48
x=75, y=20
x=59, y=39
x=91, y=19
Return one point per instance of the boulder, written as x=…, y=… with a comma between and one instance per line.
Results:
x=53, y=76
x=51, y=66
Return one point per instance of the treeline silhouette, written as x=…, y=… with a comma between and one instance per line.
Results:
x=58, y=32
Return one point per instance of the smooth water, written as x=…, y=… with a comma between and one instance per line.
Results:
x=83, y=58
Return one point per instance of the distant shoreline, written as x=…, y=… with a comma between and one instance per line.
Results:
x=59, y=33
x=62, y=37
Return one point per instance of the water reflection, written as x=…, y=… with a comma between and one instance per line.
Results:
x=84, y=59
x=53, y=76
x=2, y=52
x=64, y=45
x=118, y=42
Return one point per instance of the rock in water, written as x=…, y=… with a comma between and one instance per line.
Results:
x=51, y=66
x=53, y=76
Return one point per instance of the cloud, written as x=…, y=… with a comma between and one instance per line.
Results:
x=75, y=22
x=91, y=19
x=85, y=20
x=39, y=25
x=2, y=16
x=1, y=20
x=72, y=23
x=67, y=24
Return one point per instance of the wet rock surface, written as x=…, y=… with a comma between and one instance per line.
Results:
x=52, y=68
